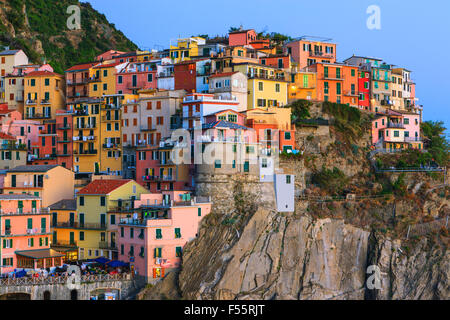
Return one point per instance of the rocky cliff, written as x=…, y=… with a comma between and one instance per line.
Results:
x=327, y=248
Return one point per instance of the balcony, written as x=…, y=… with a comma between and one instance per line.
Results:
x=31, y=102
x=44, y=157
x=77, y=94
x=20, y=211
x=147, y=128
x=106, y=118
x=81, y=226
x=13, y=146
x=64, y=127
x=109, y=106
x=77, y=81
x=350, y=93
x=395, y=125
x=37, y=116
x=321, y=54
x=413, y=139
x=111, y=146
x=158, y=178
x=335, y=78
x=85, y=152
x=165, y=74
x=94, y=79
x=134, y=86
x=64, y=244
x=86, y=126
x=265, y=76
x=107, y=245
x=45, y=101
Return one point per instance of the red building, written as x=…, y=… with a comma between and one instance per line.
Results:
x=281, y=61
x=185, y=74
x=364, y=89
x=64, y=131
x=44, y=151
x=241, y=37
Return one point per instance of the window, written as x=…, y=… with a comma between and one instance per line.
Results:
x=217, y=164
x=81, y=235
x=326, y=87
x=287, y=135
x=105, y=86
x=131, y=233
x=150, y=77
x=232, y=117
x=95, y=87
x=288, y=179
x=264, y=163
x=105, y=73
x=199, y=212
x=157, y=253
x=119, y=79
x=250, y=149
x=353, y=72
x=178, y=251
x=122, y=249
x=177, y=233
x=338, y=73
x=102, y=201
x=260, y=86
x=47, y=82
x=122, y=232
x=158, y=234
x=277, y=87
x=396, y=133
x=81, y=201
x=338, y=88
x=406, y=120
x=132, y=251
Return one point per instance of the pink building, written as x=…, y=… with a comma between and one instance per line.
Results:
x=136, y=76
x=397, y=130
x=25, y=131
x=25, y=234
x=152, y=241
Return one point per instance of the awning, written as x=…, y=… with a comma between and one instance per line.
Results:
x=40, y=254
x=102, y=260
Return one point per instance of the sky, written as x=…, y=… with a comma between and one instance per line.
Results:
x=414, y=34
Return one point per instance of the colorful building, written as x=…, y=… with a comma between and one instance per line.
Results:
x=13, y=153
x=8, y=60
x=136, y=76
x=102, y=80
x=267, y=86
x=44, y=94
x=336, y=82
x=241, y=37
x=51, y=183
x=396, y=130
x=25, y=131
x=186, y=48
x=152, y=240
x=230, y=86
x=280, y=61
x=25, y=234
x=303, y=86
x=66, y=229
x=306, y=51
x=100, y=206
x=77, y=81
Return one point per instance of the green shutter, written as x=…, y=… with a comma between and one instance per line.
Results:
x=199, y=212
x=30, y=223
x=158, y=234
x=32, y=242
x=177, y=233
x=46, y=241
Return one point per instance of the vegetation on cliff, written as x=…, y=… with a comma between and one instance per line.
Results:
x=39, y=27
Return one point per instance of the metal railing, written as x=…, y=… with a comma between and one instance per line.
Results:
x=78, y=225
x=63, y=279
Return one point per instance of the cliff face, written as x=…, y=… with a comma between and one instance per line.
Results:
x=327, y=248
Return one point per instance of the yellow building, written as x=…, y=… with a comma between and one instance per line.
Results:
x=44, y=93
x=186, y=49
x=50, y=182
x=267, y=86
x=281, y=117
x=100, y=206
x=97, y=145
x=66, y=230
x=302, y=86
x=397, y=89
x=102, y=79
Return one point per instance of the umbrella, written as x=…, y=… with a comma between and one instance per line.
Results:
x=102, y=260
x=21, y=274
x=116, y=264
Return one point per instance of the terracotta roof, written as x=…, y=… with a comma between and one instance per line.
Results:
x=225, y=74
x=103, y=186
x=84, y=66
x=42, y=73
x=6, y=136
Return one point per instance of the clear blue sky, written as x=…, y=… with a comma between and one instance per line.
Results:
x=414, y=34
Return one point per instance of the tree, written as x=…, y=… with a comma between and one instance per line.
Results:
x=433, y=133
x=233, y=29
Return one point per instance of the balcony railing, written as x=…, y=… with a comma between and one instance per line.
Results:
x=413, y=139
x=31, y=101
x=107, y=245
x=85, y=152
x=94, y=79
x=351, y=93
x=78, y=225
x=84, y=138
x=158, y=178
x=265, y=76
x=86, y=126
x=64, y=127
x=321, y=54
x=77, y=81
x=37, y=116
x=111, y=146
x=18, y=212
x=330, y=77
x=147, y=128
x=45, y=101
x=64, y=244
x=395, y=125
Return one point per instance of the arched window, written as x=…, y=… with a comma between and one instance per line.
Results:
x=74, y=295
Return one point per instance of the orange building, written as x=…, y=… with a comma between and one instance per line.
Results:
x=336, y=82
